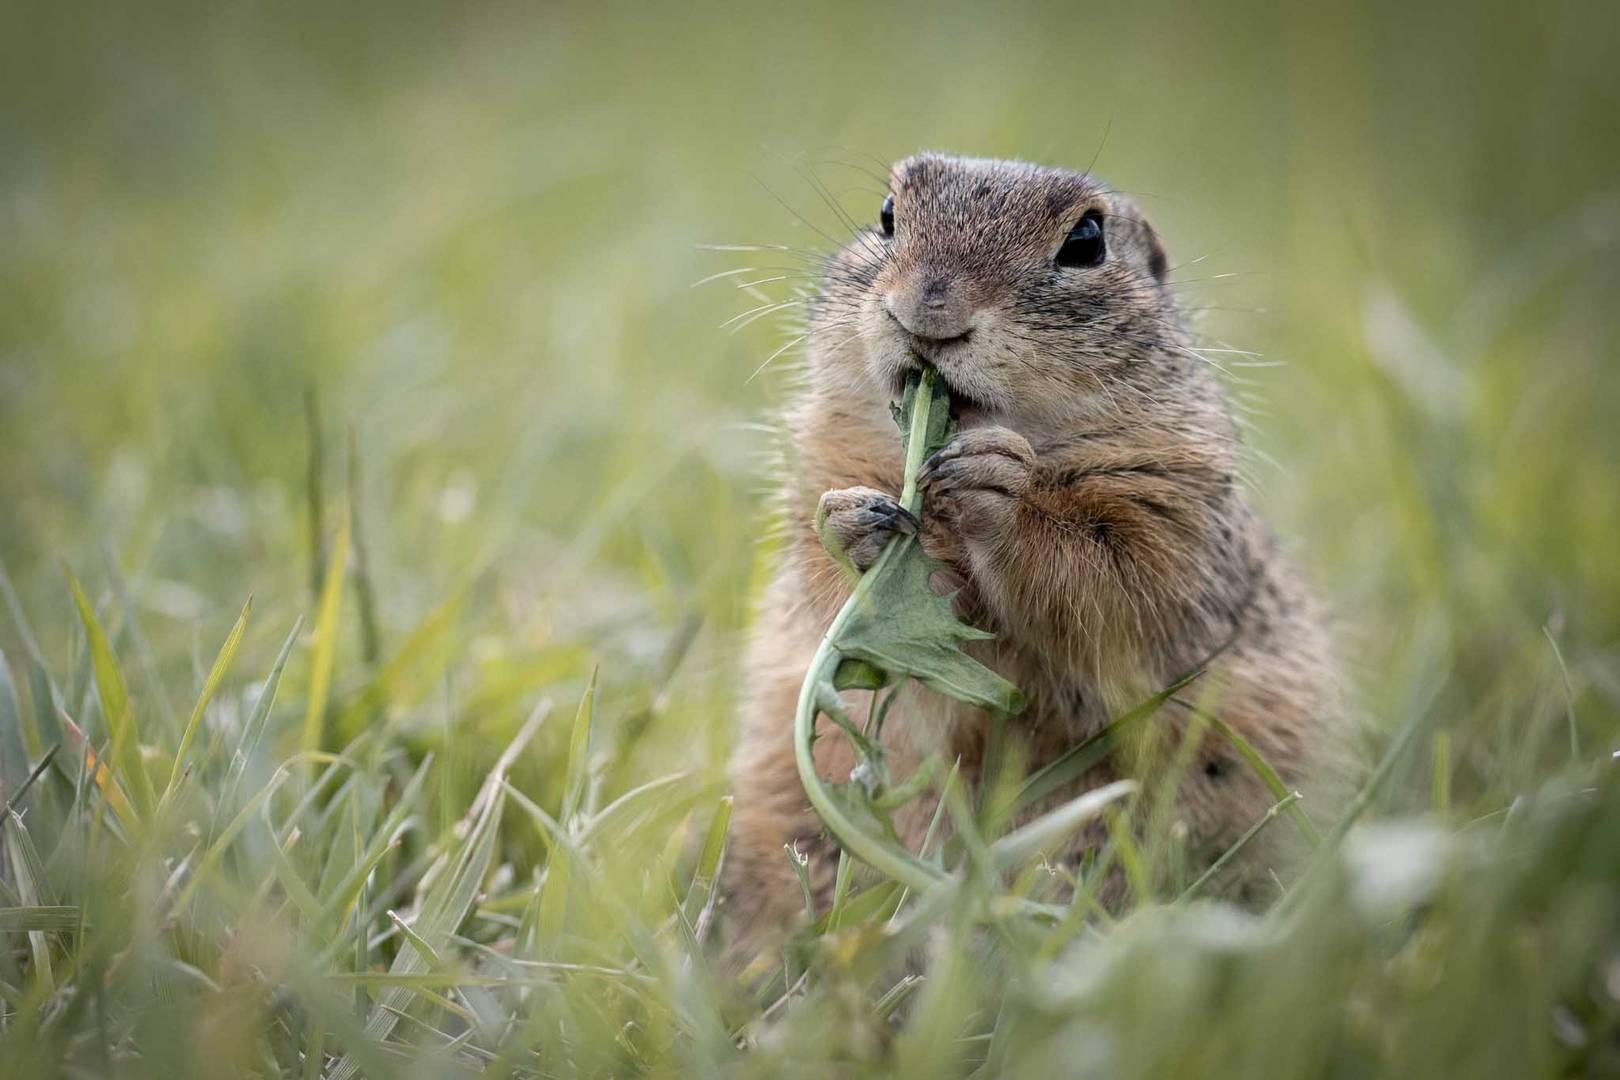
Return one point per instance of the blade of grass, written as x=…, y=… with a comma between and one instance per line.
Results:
x=313, y=490
x=1123, y=840
x=370, y=642
x=292, y=883
x=28, y=876
x=13, y=750
x=15, y=798
x=45, y=700
x=1569, y=696
x=554, y=886
x=1440, y=749
x=19, y=619
x=699, y=895
x=401, y=679
x=443, y=907
x=1262, y=768
x=1381, y=773
x=335, y=833
x=100, y=774
x=579, y=754
x=1369, y=791
x=253, y=731
x=342, y=898
x=801, y=870
x=115, y=705
x=128, y=633
x=216, y=674
x=45, y=919
x=1051, y=830
x=621, y=806
x=217, y=849
x=1075, y=763
x=326, y=639
x=1237, y=847
x=479, y=1010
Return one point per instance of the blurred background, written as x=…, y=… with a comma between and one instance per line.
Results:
x=441, y=266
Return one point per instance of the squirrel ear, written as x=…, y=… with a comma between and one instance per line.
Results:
x=1158, y=262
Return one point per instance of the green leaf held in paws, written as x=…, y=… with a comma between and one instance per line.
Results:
x=893, y=627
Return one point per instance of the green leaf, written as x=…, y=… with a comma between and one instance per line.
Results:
x=901, y=627
x=894, y=622
x=860, y=831
x=875, y=903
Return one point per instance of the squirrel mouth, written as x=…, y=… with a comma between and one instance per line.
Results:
x=962, y=402
x=933, y=345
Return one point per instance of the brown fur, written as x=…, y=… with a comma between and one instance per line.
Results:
x=1089, y=511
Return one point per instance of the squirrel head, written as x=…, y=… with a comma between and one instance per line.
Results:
x=1030, y=289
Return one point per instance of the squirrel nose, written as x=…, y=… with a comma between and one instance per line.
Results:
x=933, y=307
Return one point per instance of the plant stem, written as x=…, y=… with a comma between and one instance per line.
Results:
x=888, y=858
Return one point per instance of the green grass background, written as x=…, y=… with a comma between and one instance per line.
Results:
x=443, y=259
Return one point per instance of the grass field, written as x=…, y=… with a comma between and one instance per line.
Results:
x=386, y=317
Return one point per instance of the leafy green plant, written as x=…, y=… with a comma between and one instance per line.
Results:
x=894, y=627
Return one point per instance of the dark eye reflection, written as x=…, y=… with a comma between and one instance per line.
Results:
x=1084, y=244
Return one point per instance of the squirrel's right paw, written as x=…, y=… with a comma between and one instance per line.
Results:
x=861, y=521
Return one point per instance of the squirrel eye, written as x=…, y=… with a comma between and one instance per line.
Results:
x=1084, y=244
x=886, y=216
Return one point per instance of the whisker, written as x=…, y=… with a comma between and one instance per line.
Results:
x=858, y=232
x=797, y=216
x=1199, y=356
x=725, y=274
x=757, y=371
x=802, y=337
x=757, y=312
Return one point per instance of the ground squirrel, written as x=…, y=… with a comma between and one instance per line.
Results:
x=1089, y=512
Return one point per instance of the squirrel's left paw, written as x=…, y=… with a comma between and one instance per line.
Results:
x=976, y=481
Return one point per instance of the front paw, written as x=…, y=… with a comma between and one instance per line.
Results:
x=975, y=483
x=856, y=523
